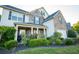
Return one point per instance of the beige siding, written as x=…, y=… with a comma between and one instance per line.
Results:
x=57, y=23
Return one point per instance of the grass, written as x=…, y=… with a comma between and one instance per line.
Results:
x=50, y=50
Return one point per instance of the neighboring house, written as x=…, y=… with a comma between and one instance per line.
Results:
x=37, y=21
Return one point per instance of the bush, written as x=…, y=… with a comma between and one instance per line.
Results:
x=58, y=42
x=69, y=42
x=61, y=38
x=57, y=35
x=10, y=44
x=24, y=39
x=33, y=36
x=38, y=42
x=71, y=34
x=48, y=38
x=7, y=33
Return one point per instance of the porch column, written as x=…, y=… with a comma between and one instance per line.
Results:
x=16, y=33
x=37, y=33
x=31, y=30
x=44, y=32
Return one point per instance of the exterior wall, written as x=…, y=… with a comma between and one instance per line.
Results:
x=50, y=27
x=6, y=22
x=4, y=18
x=60, y=25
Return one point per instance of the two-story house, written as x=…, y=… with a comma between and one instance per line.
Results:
x=37, y=21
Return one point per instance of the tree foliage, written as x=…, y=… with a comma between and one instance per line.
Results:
x=76, y=26
x=71, y=34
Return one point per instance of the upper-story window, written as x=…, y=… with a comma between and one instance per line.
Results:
x=20, y=19
x=27, y=19
x=37, y=20
x=42, y=13
x=60, y=20
x=14, y=18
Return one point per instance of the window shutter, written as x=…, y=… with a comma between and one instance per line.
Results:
x=34, y=19
x=0, y=17
x=10, y=15
x=23, y=18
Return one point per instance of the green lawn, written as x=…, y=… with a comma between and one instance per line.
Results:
x=66, y=50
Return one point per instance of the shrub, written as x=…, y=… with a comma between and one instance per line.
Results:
x=41, y=36
x=57, y=35
x=48, y=38
x=24, y=39
x=58, y=42
x=7, y=33
x=61, y=38
x=69, y=42
x=71, y=34
x=38, y=42
x=10, y=44
x=34, y=36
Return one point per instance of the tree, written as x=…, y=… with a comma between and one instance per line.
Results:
x=76, y=27
x=71, y=34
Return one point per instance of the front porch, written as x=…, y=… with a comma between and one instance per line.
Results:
x=30, y=29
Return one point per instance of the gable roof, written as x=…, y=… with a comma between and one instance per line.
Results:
x=14, y=8
x=39, y=9
x=51, y=16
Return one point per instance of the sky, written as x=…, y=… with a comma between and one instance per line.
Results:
x=70, y=12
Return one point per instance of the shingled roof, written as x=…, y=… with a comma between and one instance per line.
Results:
x=13, y=8
x=51, y=16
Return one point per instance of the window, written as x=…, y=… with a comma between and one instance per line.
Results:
x=37, y=20
x=42, y=13
x=60, y=20
x=27, y=19
x=14, y=18
x=20, y=19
